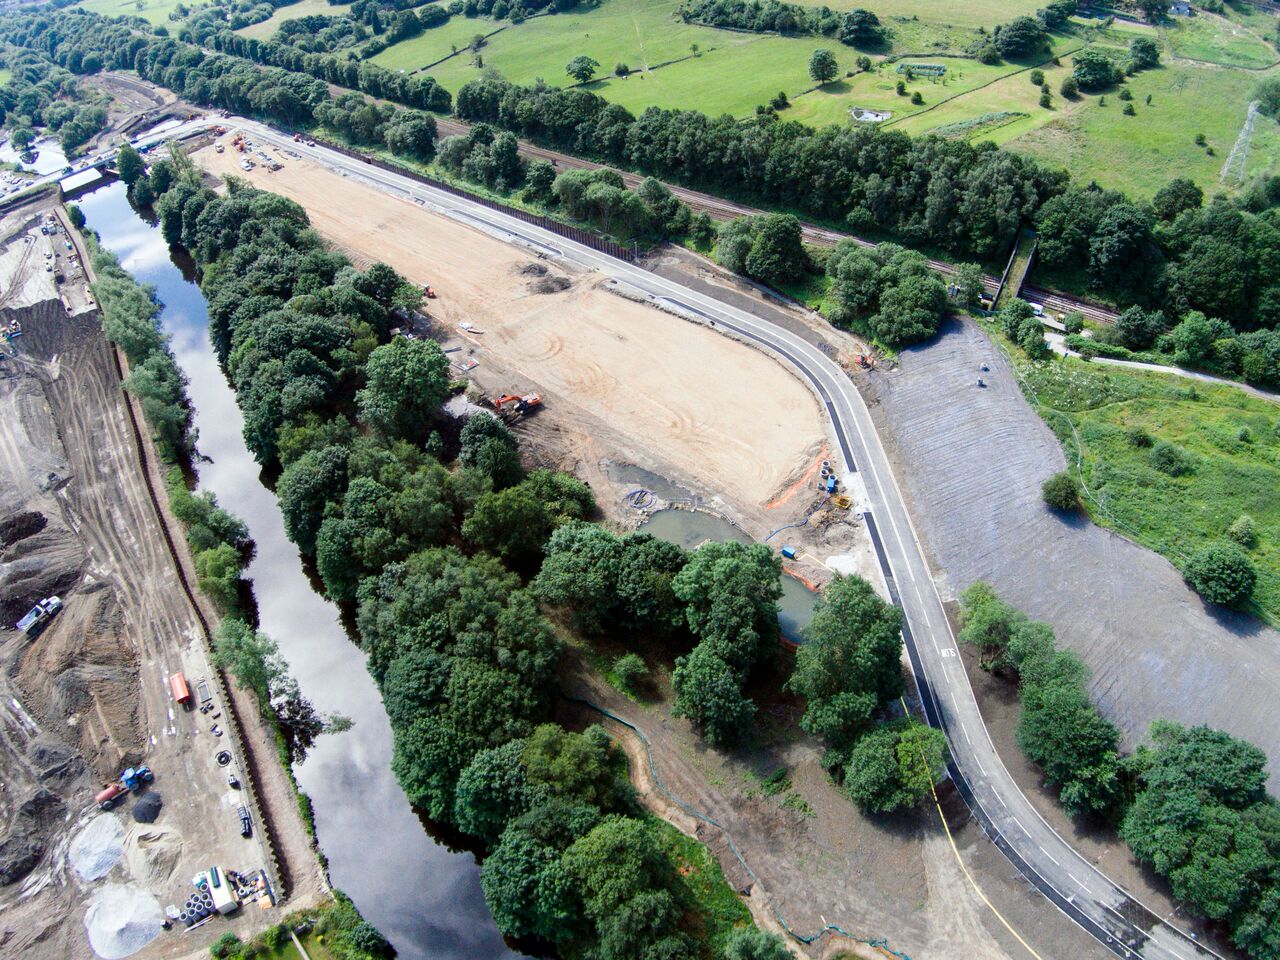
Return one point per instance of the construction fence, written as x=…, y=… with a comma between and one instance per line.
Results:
x=588, y=238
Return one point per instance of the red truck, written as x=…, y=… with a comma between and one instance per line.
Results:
x=178, y=687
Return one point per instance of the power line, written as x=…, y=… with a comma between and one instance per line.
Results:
x=1234, y=168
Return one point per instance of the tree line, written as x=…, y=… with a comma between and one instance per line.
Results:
x=599, y=197
x=857, y=27
x=40, y=93
x=433, y=534
x=1193, y=804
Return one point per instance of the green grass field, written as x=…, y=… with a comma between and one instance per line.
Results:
x=1218, y=40
x=638, y=33
x=153, y=11
x=303, y=8
x=1232, y=438
x=969, y=13
x=1141, y=153
x=437, y=43
x=736, y=72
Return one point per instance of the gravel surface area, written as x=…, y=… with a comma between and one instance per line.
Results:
x=971, y=461
x=98, y=847
x=121, y=920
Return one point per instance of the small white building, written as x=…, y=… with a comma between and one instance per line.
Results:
x=224, y=895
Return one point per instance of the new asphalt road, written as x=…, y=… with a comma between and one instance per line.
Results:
x=1046, y=859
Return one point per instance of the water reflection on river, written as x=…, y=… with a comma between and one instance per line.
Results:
x=425, y=898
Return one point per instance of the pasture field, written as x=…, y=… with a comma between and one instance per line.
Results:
x=303, y=8
x=877, y=90
x=1231, y=438
x=1013, y=96
x=1139, y=154
x=678, y=65
x=153, y=11
x=638, y=33
x=965, y=13
x=438, y=42
x=1214, y=39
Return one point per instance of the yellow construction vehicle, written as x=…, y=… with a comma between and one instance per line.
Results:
x=841, y=501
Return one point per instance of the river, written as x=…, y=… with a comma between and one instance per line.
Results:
x=426, y=899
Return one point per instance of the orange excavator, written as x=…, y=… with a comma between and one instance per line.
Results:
x=522, y=404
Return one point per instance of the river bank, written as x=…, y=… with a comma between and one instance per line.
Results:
x=424, y=897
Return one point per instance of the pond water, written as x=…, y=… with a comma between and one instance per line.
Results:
x=423, y=896
x=690, y=528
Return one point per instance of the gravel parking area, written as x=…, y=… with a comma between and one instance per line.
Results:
x=971, y=461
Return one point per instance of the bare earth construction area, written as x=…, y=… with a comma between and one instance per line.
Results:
x=690, y=399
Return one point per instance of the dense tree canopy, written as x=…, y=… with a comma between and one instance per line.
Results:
x=850, y=663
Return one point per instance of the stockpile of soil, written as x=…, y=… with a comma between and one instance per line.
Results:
x=121, y=920
x=152, y=854
x=21, y=850
x=551, y=284
x=147, y=808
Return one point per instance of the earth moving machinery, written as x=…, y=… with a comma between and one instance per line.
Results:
x=130, y=782
x=520, y=405
x=39, y=615
x=135, y=777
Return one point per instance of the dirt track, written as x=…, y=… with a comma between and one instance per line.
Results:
x=715, y=410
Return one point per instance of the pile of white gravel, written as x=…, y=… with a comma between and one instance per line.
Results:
x=121, y=920
x=98, y=847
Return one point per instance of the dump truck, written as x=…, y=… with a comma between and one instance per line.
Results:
x=39, y=615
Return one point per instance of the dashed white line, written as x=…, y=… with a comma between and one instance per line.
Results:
x=1047, y=853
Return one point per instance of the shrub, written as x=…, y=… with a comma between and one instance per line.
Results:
x=1140, y=438
x=1243, y=531
x=1037, y=78
x=1169, y=459
x=1046, y=98
x=364, y=936
x=631, y=671
x=902, y=88
x=1069, y=89
x=224, y=946
x=1061, y=493
x=1125, y=93
x=917, y=98
x=1221, y=573
x=1128, y=110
